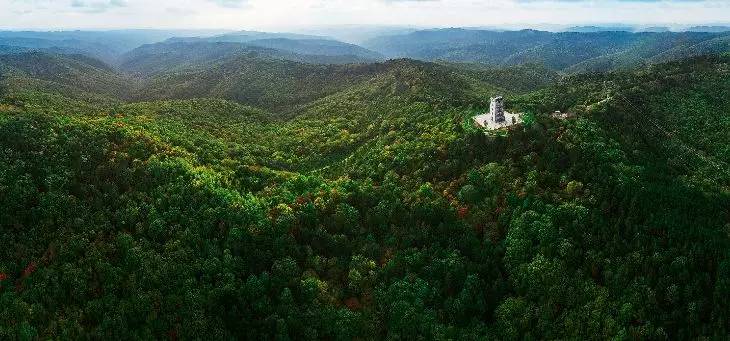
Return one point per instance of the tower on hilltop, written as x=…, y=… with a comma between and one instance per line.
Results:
x=496, y=109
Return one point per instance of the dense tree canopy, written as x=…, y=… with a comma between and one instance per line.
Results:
x=367, y=208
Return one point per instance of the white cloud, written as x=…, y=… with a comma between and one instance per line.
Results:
x=287, y=14
x=97, y=6
x=230, y=3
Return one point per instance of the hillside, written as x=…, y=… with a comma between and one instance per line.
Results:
x=713, y=46
x=677, y=110
x=298, y=44
x=569, y=51
x=267, y=83
x=457, y=45
x=74, y=76
x=153, y=59
x=317, y=47
x=70, y=46
x=244, y=36
x=263, y=78
x=587, y=49
x=513, y=79
x=374, y=210
x=149, y=60
x=104, y=45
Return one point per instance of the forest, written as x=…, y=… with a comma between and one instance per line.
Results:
x=251, y=192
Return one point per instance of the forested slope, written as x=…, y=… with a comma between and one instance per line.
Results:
x=679, y=109
x=279, y=85
x=74, y=76
x=154, y=59
x=377, y=211
x=566, y=51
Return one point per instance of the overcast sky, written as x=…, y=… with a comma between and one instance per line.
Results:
x=291, y=14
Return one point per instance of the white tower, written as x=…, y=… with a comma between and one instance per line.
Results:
x=496, y=109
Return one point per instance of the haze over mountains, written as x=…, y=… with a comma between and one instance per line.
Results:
x=589, y=49
x=568, y=51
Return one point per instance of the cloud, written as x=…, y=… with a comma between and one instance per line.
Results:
x=284, y=15
x=97, y=6
x=230, y=3
x=180, y=11
x=589, y=1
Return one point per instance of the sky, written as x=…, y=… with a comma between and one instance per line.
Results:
x=281, y=15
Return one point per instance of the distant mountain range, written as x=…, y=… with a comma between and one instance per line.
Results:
x=124, y=48
x=104, y=45
x=566, y=51
x=586, y=29
x=243, y=37
x=632, y=28
x=708, y=29
x=579, y=49
x=168, y=56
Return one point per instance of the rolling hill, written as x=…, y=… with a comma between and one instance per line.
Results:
x=71, y=75
x=259, y=77
x=244, y=36
x=158, y=58
x=318, y=47
x=244, y=196
x=104, y=45
x=290, y=42
x=283, y=85
x=567, y=51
